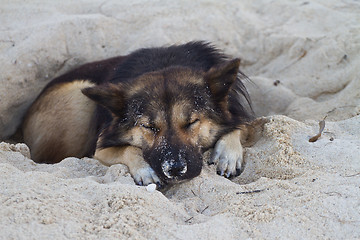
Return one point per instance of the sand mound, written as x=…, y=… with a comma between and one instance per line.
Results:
x=293, y=188
x=303, y=60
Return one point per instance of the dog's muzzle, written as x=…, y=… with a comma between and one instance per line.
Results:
x=173, y=169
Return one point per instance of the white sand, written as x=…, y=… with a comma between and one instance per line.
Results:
x=306, y=190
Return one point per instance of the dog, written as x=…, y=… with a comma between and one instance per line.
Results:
x=156, y=110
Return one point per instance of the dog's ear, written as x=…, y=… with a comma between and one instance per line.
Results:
x=221, y=77
x=110, y=96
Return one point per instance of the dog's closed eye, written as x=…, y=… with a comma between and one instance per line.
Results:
x=192, y=123
x=150, y=127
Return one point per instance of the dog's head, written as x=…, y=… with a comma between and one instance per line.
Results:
x=173, y=115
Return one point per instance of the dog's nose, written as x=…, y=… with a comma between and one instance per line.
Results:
x=173, y=169
x=177, y=169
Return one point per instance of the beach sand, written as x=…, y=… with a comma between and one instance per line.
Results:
x=303, y=60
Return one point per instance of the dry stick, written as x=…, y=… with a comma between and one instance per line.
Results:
x=254, y=191
x=204, y=209
x=321, y=129
x=353, y=175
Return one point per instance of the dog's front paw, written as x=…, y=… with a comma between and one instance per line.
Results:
x=132, y=157
x=145, y=175
x=228, y=155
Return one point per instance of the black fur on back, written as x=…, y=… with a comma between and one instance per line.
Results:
x=197, y=55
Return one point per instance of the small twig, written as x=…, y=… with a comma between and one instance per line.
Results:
x=249, y=192
x=193, y=193
x=334, y=193
x=353, y=175
x=189, y=219
x=204, y=209
x=303, y=55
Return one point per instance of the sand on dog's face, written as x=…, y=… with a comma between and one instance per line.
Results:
x=289, y=188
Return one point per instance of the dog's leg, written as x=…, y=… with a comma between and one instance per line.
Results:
x=132, y=157
x=228, y=155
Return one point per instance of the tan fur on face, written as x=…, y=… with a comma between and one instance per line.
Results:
x=138, y=137
x=141, y=134
x=203, y=130
x=207, y=132
x=180, y=114
x=57, y=125
x=201, y=133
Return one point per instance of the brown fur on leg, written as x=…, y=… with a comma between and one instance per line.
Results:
x=58, y=125
x=132, y=157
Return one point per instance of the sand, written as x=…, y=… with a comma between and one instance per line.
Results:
x=304, y=64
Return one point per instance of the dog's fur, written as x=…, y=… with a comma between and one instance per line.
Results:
x=156, y=110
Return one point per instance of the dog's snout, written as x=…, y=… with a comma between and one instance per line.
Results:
x=173, y=168
x=174, y=161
